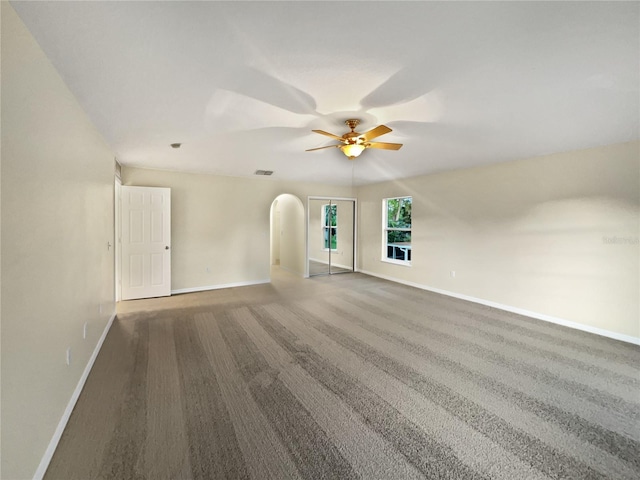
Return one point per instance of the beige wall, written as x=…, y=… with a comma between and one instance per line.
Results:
x=555, y=235
x=291, y=235
x=276, y=232
x=57, y=273
x=221, y=223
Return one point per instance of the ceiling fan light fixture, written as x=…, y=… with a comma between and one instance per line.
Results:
x=352, y=150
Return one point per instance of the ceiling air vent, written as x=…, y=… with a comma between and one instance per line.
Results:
x=264, y=172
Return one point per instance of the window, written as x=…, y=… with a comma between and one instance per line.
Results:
x=330, y=226
x=397, y=230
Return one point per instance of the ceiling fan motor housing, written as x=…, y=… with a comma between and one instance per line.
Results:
x=352, y=123
x=353, y=137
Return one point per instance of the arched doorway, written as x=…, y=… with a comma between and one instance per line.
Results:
x=288, y=234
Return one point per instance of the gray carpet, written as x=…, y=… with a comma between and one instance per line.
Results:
x=346, y=377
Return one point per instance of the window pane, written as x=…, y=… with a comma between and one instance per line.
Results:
x=399, y=253
x=399, y=245
x=395, y=236
x=399, y=212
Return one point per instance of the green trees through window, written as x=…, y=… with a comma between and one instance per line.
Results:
x=397, y=229
x=330, y=226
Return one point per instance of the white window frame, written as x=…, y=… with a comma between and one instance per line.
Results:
x=324, y=227
x=386, y=229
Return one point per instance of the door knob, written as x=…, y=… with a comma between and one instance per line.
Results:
x=166, y=247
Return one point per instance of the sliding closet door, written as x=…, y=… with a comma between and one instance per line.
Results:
x=321, y=236
x=331, y=239
x=342, y=253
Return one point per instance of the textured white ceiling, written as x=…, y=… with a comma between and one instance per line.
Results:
x=241, y=84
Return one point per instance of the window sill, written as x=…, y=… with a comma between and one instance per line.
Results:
x=396, y=262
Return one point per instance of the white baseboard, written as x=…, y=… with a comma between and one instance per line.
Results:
x=519, y=311
x=218, y=287
x=48, y=454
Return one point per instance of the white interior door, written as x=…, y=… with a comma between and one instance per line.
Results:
x=146, y=242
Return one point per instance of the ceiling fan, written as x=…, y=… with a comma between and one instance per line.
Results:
x=354, y=143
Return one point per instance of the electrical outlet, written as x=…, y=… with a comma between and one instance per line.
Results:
x=208, y=269
x=69, y=356
x=84, y=331
x=453, y=274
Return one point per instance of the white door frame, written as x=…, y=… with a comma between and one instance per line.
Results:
x=118, y=239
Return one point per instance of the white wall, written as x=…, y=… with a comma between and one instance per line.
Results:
x=57, y=273
x=537, y=234
x=221, y=223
